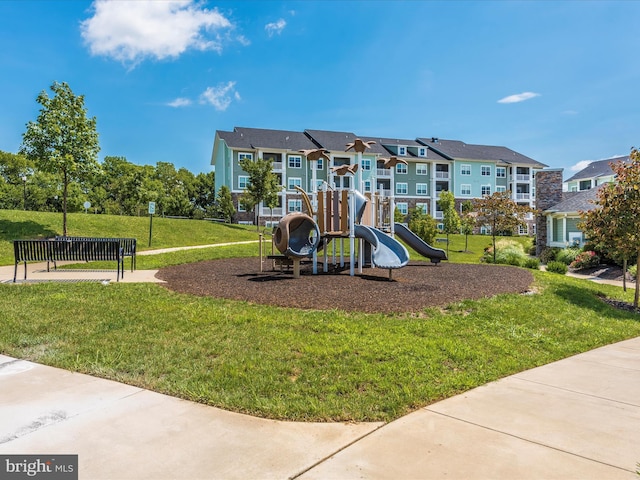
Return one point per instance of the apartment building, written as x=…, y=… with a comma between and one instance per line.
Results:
x=432, y=165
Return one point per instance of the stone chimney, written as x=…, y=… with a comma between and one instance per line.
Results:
x=548, y=194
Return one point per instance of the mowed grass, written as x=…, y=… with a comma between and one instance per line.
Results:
x=299, y=364
x=166, y=232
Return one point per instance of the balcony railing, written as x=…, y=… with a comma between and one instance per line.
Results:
x=439, y=215
x=383, y=172
x=267, y=212
x=277, y=166
x=523, y=178
x=523, y=196
x=440, y=175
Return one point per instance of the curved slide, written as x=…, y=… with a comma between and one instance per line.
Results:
x=419, y=245
x=387, y=252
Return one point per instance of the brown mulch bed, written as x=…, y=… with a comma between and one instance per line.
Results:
x=412, y=288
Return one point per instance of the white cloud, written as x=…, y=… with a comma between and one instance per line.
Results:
x=580, y=165
x=220, y=96
x=132, y=31
x=242, y=40
x=180, y=102
x=275, y=27
x=520, y=97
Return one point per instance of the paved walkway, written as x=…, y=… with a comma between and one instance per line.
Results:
x=577, y=418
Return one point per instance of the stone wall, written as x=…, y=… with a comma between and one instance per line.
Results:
x=548, y=194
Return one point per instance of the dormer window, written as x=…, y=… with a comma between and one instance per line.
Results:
x=422, y=152
x=402, y=151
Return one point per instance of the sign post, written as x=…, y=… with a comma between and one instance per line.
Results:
x=152, y=210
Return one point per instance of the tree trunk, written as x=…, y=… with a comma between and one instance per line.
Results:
x=624, y=274
x=64, y=203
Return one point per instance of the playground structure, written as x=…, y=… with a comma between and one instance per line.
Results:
x=335, y=215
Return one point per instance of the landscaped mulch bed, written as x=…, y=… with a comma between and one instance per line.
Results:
x=411, y=289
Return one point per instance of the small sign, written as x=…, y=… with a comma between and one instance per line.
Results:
x=152, y=208
x=87, y=205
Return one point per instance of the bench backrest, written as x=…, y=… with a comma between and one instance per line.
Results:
x=85, y=250
x=31, y=250
x=128, y=244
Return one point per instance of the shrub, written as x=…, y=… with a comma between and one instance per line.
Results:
x=585, y=260
x=632, y=270
x=567, y=255
x=423, y=225
x=532, y=263
x=557, y=267
x=548, y=254
x=508, y=252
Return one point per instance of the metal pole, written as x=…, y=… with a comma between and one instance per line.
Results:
x=150, y=227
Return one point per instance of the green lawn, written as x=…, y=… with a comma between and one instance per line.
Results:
x=297, y=364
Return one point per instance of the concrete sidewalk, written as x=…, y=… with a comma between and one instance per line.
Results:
x=37, y=272
x=576, y=418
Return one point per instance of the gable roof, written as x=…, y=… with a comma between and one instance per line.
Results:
x=253, y=138
x=455, y=149
x=574, y=202
x=601, y=168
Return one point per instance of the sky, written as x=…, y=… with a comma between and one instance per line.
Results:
x=558, y=81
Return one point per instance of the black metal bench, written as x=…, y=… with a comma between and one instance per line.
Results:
x=128, y=245
x=67, y=250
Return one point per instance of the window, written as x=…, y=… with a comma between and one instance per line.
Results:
x=294, y=205
x=500, y=188
x=422, y=169
x=465, y=189
x=422, y=152
x=486, y=190
x=402, y=151
x=465, y=169
x=523, y=229
x=243, y=181
x=402, y=208
x=295, y=161
x=421, y=188
x=585, y=185
x=319, y=164
x=485, y=170
x=401, y=188
x=293, y=182
x=501, y=172
x=401, y=168
x=245, y=156
x=367, y=185
x=366, y=164
x=422, y=207
x=240, y=207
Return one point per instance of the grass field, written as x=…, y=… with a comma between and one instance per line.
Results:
x=300, y=364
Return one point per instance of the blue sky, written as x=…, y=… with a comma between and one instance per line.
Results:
x=556, y=81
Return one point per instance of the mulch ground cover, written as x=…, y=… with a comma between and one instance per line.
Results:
x=412, y=288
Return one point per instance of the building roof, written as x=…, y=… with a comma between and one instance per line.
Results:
x=253, y=138
x=573, y=202
x=455, y=149
x=601, y=168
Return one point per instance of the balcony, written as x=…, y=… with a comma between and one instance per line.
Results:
x=440, y=175
x=267, y=212
x=383, y=172
x=439, y=215
x=523, y=177
x=277, y=166
x=523, y=196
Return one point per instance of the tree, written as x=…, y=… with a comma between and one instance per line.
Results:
x=467, y=222
x=262, y=185
x=223, y=207
x=62, y=140
x=450, y=218
x=423, y=225
x=613, y=225
x=205, y=191
x=500, y=214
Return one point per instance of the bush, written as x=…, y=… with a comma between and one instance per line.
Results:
x=585, y=260
x=557, y=267
x=632, y=270
x=423, y=225
x=508, y=252
x=567, y=255
x=548, y=254
x=532, y=263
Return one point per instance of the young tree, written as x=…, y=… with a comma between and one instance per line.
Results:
x=423, y=225
x=499, y=213
x=262, y=186
x=613, y=225
x=223, y=206
x=63, y=140
x=467, y=222
x=450, y=218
